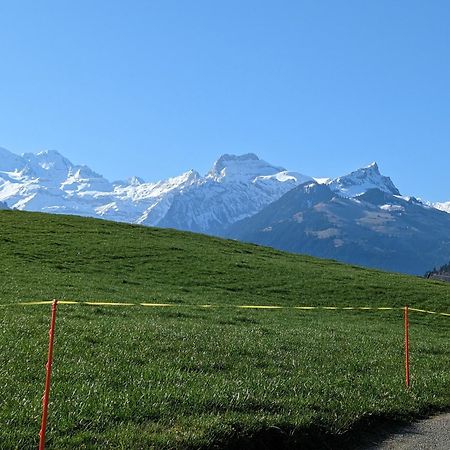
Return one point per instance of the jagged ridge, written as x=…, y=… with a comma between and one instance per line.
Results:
x=235, y=187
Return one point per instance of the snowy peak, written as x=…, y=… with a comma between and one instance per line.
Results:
x=135, y=181
x=372, y=166
x=361, y=180
x=49, y=161
x=442, y=206
x=189, y=177
x=237, y=186
x=186, y=179
x=241, y=168
x=225, y=160
x=51, y=165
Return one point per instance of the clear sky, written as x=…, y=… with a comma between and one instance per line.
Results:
x=154, y=88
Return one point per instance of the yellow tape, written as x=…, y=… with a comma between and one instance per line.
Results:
x=107, y=304
x=259, y=306
x=422, y=311
x=34, y=303
x=156, y=305
x=429, y=312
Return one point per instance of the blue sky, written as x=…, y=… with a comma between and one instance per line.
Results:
x=154, y=88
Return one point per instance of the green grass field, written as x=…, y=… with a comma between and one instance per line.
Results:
x=194, y=377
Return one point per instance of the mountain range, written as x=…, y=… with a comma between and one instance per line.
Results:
x=234, y=188
x=360, y=218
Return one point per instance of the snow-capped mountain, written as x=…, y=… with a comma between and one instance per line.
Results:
x=445, y=206
x=361, y=180
x=235, y=187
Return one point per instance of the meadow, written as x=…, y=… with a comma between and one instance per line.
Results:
x=190, y=377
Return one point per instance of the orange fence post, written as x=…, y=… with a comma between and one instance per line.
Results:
x=47, y=378
x=406, y=346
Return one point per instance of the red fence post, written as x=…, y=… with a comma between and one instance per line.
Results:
x=47, y=378
x=406, y=346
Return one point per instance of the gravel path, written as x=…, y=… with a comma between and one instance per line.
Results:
x=432, y=433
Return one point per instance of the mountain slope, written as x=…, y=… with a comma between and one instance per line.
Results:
x=376, y=229
x=442, y=274
x=48, y=255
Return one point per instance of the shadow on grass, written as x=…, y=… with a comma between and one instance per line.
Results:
x=366, y=434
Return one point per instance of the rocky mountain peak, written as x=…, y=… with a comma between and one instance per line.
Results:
x=242, y=168
x=361, y=180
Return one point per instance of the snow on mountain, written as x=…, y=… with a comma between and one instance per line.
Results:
x=47, y=181
x=153, y=200
x=445, y=206
x=244, y=168
x=360, y=181
x=235, y=187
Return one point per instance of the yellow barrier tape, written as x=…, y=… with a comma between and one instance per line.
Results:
x=159, y=304
x=267, y=307
x=108, y=304
x=429, y=312
x=422, y=310
x=259, y=306
x=34, y=303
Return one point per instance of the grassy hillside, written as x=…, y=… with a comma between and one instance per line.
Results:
x=193, y=377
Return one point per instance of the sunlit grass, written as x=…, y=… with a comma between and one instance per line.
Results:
x=195, y=377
